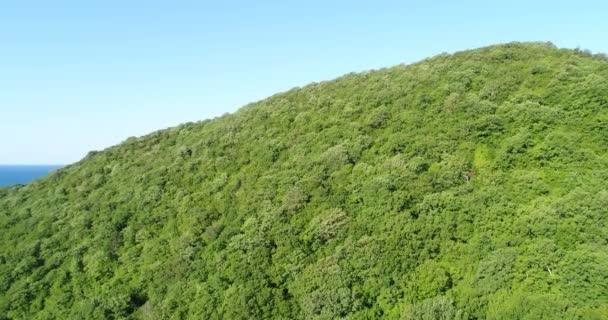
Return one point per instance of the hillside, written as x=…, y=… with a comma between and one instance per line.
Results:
x=464, y=186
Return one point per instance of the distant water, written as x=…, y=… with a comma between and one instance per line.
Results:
x=10, y=175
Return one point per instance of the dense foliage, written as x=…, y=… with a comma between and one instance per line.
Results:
x=465, y=186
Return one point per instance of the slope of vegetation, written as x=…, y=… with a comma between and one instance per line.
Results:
x=465, y=186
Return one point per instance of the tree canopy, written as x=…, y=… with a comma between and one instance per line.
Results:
x=465, y=186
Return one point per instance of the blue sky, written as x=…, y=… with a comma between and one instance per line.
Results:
x=83, y=75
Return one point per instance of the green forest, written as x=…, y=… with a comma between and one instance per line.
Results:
x=470, y=185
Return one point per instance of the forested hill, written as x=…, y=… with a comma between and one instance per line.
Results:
x=464, y=186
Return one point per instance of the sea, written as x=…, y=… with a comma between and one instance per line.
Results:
x=12, y=175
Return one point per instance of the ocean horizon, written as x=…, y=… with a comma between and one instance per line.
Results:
x=23, y=174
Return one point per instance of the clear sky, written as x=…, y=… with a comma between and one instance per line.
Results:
x=83, y=75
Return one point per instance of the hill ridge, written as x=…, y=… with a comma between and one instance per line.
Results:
x=467, y=186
